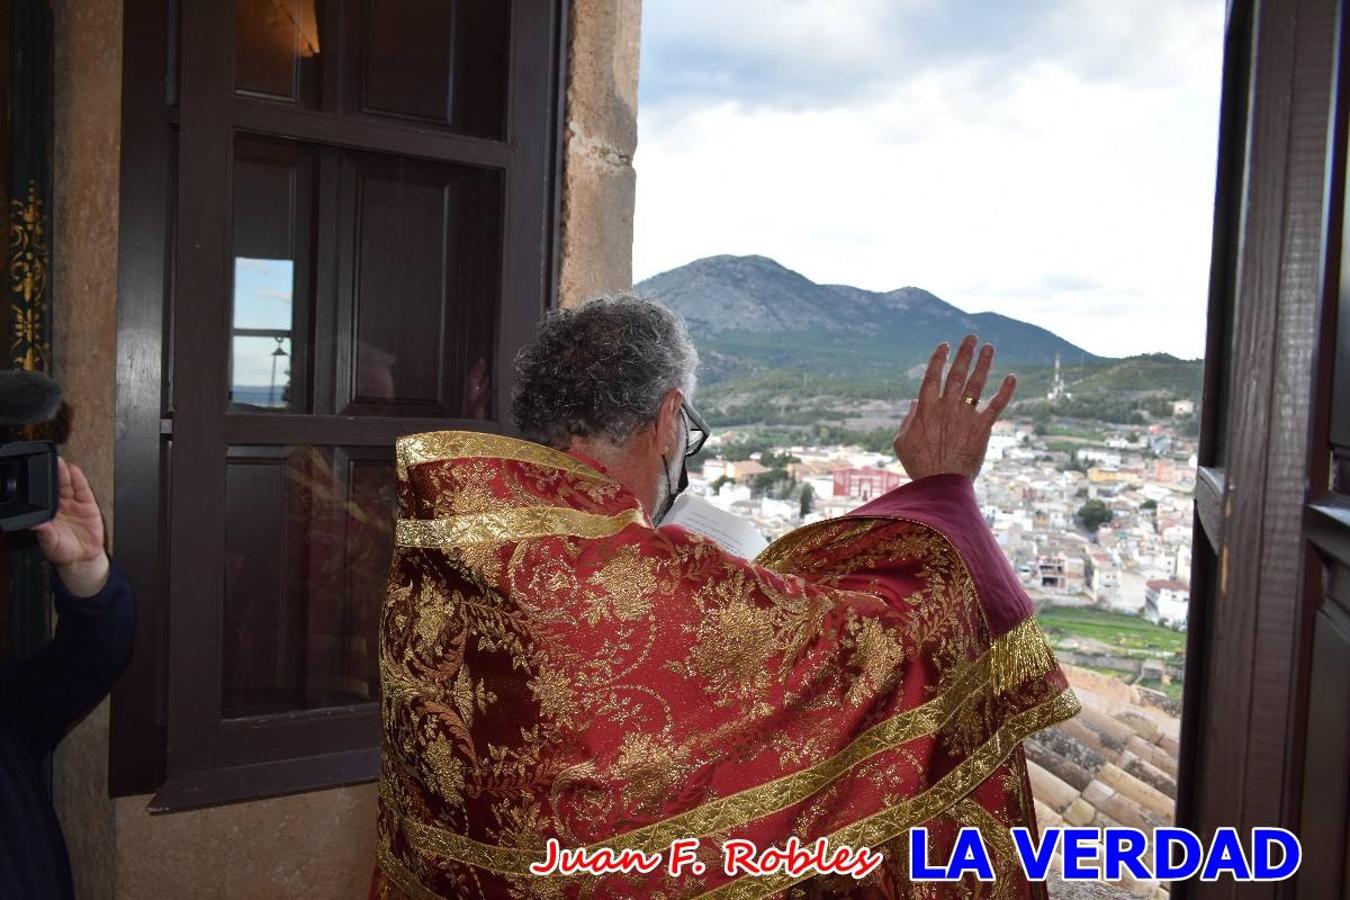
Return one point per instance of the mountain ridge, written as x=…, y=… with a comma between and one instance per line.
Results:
x=770, y=337
x=732, y=303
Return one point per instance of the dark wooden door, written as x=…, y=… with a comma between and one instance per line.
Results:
x=357, y=210
x=1266, y=725
x=1324, y=819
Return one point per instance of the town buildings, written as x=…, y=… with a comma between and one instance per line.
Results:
x=1030, y=496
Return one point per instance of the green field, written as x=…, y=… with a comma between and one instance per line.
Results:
x=1128, y=633
x=1172, y=689
x=1079, y=432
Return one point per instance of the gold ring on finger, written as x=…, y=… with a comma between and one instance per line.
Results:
x=969, y=401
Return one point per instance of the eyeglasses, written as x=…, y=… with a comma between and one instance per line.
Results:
x=697, y=430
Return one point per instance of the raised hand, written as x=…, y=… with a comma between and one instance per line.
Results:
x=73, y=540
x=945, y=430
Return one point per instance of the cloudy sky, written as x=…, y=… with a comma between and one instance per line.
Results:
x=1051, y=160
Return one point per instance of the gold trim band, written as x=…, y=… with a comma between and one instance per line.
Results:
x=735, y=810
x=444, y=446
x=399, y=874
x=873, y=831
x=881, y=827
x=512, y=525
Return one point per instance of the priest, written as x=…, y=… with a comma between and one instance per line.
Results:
x=562, y=672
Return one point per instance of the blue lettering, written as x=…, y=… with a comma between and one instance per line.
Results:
x=1165, y=867
x=1225, y=855
x=919, y=870
x=970, y=855
x=1124, y=847
x=1035, y=859
x=1263, y=840
x=1081, y=846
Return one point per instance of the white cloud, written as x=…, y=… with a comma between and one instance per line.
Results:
x=1067, y=182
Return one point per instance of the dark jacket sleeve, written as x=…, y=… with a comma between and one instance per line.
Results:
x=43, y=697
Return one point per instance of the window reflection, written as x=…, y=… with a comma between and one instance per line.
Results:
x=441, y=63
x=261, y=354
x=276, y=42
x=401, y=320
x=309, y=531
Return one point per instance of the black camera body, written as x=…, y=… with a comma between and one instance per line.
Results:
x=28, y=492
x=28, y=481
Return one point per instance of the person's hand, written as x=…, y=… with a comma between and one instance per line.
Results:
x=73, y=540
x=945, y=431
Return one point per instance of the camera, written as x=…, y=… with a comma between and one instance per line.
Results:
x=28, y=482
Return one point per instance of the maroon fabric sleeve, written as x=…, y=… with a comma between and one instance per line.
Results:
x=946, y=503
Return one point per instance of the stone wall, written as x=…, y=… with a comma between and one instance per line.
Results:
x=599, y=182
x=87, y=138
x=319, y=844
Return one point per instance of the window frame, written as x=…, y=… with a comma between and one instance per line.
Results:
x=178, y=128
x=1246, y=723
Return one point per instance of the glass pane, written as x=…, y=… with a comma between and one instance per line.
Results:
x=271, y=224
x=439, y=62
x=425, y=288
x=277, y=48
x=308, y=535
x=262, y=371
x=405, y=322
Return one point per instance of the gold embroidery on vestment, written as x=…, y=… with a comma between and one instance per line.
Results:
x=510, y=526
x=880, y=827
x=736, y=810
x=444, y=446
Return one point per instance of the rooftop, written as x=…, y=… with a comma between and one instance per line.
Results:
x=1113, y=764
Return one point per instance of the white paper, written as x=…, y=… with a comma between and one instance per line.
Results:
x=736, y=535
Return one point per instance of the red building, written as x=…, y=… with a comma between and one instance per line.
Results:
x=864, y=484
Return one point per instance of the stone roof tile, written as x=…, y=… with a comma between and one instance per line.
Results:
x=1114, y=733
x=1064, y=757
x=1145, y=796
x=1149, y=774
x=1153, y=754
x=1049, y=789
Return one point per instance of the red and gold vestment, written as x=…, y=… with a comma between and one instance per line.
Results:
x=554, y=667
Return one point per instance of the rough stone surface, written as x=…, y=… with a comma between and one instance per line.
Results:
x=1049, y=789
x=320, y=844
x=1149, y=774
x=1080, y=813
x=87, y=138
x=1150, y=799
x=315, y=845
x=599, y=182
x=1045, y=816
x=1064, y=757
x=1073, y=744
x=1142, y=725
x=1114, y=734
x=1102, y=690
x=1153, y=755
x=1161, y=702
x=1084, y=890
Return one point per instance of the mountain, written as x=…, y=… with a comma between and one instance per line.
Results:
x=749, y=313
x=775, y=345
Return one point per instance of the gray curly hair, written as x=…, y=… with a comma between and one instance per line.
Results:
x=601, y=369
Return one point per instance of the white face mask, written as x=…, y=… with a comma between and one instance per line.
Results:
x=674, y=484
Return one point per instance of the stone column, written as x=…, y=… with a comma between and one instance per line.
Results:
x=601, y=136
x=86, y=172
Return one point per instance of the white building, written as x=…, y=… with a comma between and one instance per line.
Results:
x=1108, y=458
x=1181, y=562
x=1167, y=601
x=729, y=494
